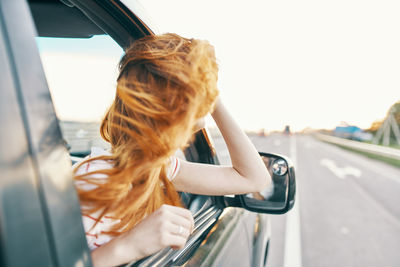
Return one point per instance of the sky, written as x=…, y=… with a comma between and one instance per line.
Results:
x=302, y=63
x=299, y=63
x=81, y=75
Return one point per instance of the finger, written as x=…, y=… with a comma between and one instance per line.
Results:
x=185, y=213
x=180, y=230
x=179, y=211
x=173, y=219
x=175, y=241
x=178, y=221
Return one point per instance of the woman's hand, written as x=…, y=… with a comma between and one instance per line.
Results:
x=169, y=226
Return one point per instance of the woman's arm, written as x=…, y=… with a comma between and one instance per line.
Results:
x=247, y=173
x=167, y=226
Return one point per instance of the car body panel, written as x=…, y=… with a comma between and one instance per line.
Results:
x=17, y=172
x=227, y=244
x=50, y=165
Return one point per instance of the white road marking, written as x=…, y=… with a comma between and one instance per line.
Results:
x=292, y=256
x=340, y=172
x=369, y=164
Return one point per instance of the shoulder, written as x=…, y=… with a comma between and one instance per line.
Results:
x=92, y=166
x=173, y=167
x=96, y=164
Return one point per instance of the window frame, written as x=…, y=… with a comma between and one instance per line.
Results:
x=44, y=201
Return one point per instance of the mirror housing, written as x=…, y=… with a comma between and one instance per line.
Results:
x=279, y=197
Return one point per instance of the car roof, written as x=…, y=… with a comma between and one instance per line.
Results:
x=55, y=19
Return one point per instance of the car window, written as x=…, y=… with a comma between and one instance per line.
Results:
x=81, y=74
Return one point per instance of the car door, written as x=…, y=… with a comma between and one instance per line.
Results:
x=39, y=222
x=222, y=236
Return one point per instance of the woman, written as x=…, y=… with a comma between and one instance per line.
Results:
x=129, y=200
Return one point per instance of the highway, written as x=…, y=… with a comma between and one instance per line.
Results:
x=348, y=208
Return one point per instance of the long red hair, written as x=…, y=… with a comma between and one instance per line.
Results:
x=166, y=83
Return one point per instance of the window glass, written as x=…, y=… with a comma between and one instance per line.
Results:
x=81, y=74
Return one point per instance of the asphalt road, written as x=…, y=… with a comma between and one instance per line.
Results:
x=348, y=208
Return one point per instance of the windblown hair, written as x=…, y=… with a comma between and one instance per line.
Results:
x=166, y=83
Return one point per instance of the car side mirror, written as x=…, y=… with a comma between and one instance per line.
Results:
x=279, y=197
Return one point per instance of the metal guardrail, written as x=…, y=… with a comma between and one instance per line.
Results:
x=368, y=148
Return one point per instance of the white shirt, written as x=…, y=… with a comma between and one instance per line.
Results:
x=95, y=236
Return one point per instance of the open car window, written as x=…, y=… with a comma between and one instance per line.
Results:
x=81, y=74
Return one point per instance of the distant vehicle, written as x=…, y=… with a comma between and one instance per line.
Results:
x=352, y=133
x=287, y=130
